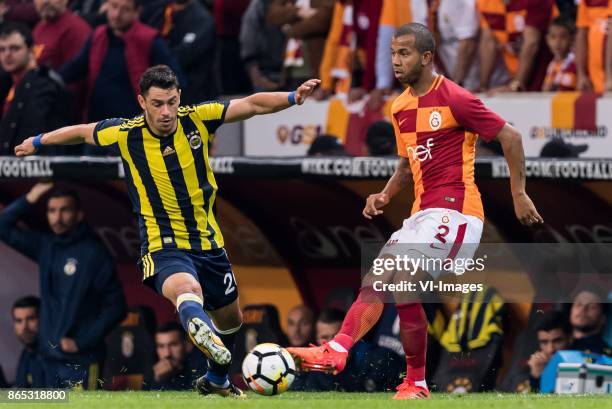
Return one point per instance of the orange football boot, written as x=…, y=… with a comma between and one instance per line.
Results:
x=408, y=390
x=319, y=358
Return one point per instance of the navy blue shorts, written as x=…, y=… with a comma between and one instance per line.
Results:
x=211, y=268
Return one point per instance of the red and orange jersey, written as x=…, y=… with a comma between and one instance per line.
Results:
x=593, y=15
x=507, y=20
x=561, y=75
x=437, y=133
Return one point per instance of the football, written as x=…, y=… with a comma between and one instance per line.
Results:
x=268, y=369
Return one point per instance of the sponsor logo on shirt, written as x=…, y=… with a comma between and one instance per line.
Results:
x=421, y=152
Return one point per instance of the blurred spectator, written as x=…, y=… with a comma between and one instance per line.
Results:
x=561, y=72
x=35, y=99
x=554, y=334
x=350, y=59
x=394, y=13
x=112, y=61
x=58, y=37
x=189, y=31
x=456, y=24
x=232, y=75
x=305, y=23
x=328, y=324
x=60, y=34
x=300, y=326
x=261, y=47
x=587, y=317
x=592, y=65
x=516, y=29
x=326, y=145
x=18, y=11
x=81, y=296
x=380, y=139
x=30, y=369
x=175, y=369
x=90, y=10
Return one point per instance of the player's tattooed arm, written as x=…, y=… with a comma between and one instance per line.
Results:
x=68, y=135
x=268, y=102
x=397, y=183
x=512, y=145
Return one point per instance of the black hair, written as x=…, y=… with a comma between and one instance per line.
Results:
x=331, y=315
x=423, y=38
x=9, y=28
x=565, y=23
x=171, y=326
x=380, y=139
x=555, y=320
x=29, y=301
x=67, y=193
x=160, y=76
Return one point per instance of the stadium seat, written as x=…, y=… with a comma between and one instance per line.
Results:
x=261, y=323
x=131, y=351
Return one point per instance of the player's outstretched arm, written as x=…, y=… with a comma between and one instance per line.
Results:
x=68, y=135
x=396, y=184
x=268, y=102
x=512, y=145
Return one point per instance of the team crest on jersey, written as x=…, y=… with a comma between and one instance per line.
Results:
x=71, y=266
x=435, y=119
x=195, y=140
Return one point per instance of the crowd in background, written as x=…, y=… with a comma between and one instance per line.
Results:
x=80, y=332
x=66, y=62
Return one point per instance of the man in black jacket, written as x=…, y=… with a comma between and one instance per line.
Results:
x=81, y=297
x=189, y=31
x=33, y=99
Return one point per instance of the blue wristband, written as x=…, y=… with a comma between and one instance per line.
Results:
x=37, y=141
x=291, y=98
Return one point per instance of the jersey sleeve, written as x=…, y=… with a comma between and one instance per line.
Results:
x=474, y=116
x=107, y=131
x=212, y=114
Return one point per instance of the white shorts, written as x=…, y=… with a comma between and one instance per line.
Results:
x=437, y=234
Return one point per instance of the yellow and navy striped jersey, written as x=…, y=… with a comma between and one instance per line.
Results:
x=170, y=181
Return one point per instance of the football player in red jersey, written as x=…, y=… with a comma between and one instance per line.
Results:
x=436, y=126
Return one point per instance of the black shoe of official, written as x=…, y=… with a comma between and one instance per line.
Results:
x=204, y=387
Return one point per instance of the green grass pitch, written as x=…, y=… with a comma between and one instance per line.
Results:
x=332, y=400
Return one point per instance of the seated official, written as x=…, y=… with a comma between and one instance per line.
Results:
x=588, y=317
x=179, y=363
x=30, y=369
x=554, y=334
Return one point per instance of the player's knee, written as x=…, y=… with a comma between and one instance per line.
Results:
x=188, y=288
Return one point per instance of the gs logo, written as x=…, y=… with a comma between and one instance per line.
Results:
x=298, y=134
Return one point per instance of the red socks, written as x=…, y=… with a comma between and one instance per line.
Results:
x=360, y=318
x=413, y=333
